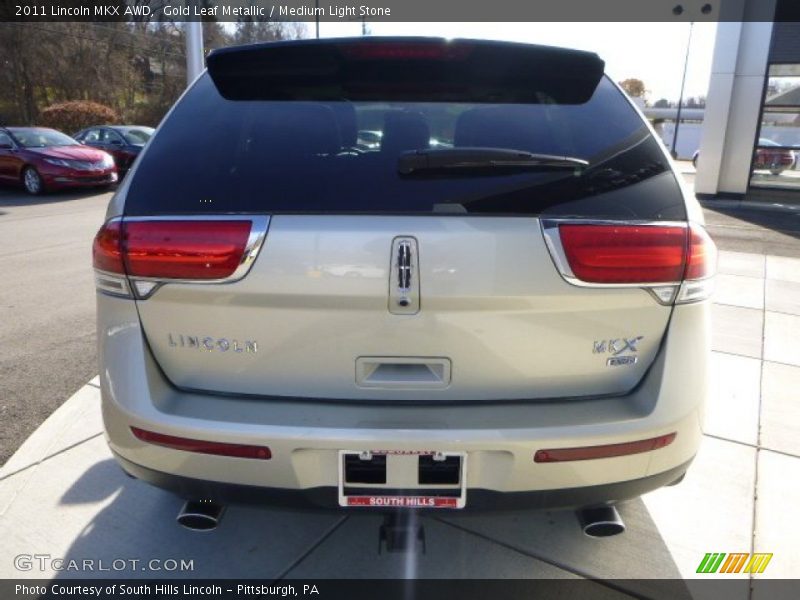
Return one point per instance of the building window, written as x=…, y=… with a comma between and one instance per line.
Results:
x=777, y=150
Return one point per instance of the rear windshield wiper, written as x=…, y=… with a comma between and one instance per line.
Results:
x=483, y=159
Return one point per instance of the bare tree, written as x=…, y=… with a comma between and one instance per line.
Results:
x=251, y=31
x=136, y=68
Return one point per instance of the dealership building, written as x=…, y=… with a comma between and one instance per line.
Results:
x=750, y=143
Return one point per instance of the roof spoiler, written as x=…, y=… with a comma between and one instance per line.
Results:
x=405, y=69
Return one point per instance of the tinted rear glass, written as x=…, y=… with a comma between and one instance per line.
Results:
x=218, y=155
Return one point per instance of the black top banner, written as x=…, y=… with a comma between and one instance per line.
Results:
x=397, y=10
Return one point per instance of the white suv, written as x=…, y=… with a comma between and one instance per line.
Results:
x=513, y=316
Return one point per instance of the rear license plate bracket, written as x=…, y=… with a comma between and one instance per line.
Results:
x=402, y=479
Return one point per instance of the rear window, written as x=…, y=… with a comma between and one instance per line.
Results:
x=215, y=155
x=137, y=136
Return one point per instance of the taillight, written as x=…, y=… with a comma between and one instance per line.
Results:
x=674, y=261
x=107, y=248
x=202, y=446
x=604, y=451
x=148, y=252
x=184, y=249
x=701, y=266
x=702, y=259
x=624, y=253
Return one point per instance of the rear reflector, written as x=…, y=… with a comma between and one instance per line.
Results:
x=607, y=451
x=202, y=447
x=625, y=254
x=184, y=249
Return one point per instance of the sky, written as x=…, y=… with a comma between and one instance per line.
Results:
x=652, y=52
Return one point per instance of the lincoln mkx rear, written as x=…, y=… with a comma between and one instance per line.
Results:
x=501, y=304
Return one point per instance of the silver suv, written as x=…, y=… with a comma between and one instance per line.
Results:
x=501, y=304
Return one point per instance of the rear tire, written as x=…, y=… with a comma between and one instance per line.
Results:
x=32, y=181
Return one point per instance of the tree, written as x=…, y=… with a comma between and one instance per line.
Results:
x=661, y=103
x=699, y=102
x=77, y=114
x=634, y=87
x=250, y=31
x=137, y=69
x=110, y=63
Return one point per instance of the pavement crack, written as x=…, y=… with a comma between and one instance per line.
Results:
x=546, y=560
x=311, y=549
x=49, y=456
x=758, y=433
x=757, y=447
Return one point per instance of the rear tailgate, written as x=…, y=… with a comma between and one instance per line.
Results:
x=325, y=310
x=317, y=299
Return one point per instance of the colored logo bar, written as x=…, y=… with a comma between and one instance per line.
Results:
x=742, y=562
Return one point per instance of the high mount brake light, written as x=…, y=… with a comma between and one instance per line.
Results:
x=674, y=261
x=154, y=251
x=405, y=51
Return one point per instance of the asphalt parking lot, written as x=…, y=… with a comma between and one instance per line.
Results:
x=47, y=327
x=62, y=494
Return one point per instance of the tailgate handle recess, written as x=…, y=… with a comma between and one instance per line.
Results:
x=403, y=372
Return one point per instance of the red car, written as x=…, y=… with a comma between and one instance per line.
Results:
x=44, y=159
x=123, y=142
x=770, y=156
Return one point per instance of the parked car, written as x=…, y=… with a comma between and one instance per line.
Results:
x=123, y=142
x=42, y=159
x=770, y=156
x=533, y=332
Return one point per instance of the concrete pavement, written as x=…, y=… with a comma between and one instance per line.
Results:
x=61, y=494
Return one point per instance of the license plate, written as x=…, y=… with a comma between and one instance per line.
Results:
x=400, y=486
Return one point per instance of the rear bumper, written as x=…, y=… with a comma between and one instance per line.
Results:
x=305, y=437
x=325, y=497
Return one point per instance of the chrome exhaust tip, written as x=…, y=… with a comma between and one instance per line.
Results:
x=600, y=521
x=200, y=515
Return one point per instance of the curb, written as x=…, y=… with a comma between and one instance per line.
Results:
x=74, y=422
x=754, y=205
